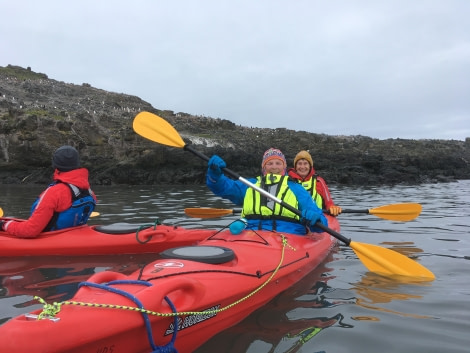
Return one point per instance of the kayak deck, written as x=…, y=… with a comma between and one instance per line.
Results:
x=119, y=238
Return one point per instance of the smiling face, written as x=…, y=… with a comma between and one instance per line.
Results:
x=302, y=167
x=275, y=166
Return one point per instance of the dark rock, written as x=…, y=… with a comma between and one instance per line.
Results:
x=38, y=114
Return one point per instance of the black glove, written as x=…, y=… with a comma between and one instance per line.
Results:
x=1, y=224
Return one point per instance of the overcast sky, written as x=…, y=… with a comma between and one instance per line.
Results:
x=378, y=68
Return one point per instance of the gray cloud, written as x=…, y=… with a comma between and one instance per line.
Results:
x=384, y=69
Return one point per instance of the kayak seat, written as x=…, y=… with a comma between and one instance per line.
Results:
x=121, y=228
x=205, y=254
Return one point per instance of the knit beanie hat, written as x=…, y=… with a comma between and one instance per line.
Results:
x=66, y=158
x=270, y=154
x=303, y=155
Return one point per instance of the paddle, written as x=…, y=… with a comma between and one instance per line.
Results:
x=396, y=212
x=206, y=212
x=375, y=258
x=93, y=214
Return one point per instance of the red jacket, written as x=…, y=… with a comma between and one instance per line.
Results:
x=321, y=187
x=56, y=198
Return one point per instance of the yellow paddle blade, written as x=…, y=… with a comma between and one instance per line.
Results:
x=1, y=212
x=202, y=212
x=398, y=212
x=157, y=129
x=390, y=263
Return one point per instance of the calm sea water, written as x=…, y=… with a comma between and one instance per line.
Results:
x=339, y=307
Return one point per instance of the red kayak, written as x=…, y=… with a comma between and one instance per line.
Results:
x=118, y=238
x=178, y=301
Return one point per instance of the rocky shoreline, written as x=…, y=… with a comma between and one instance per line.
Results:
x=38, y=114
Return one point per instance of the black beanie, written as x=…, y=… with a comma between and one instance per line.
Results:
x=65, y=159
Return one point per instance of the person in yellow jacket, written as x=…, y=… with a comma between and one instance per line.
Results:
x=304, y=173
x=261, y=212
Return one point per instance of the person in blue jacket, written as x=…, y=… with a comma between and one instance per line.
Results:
x=260, y=211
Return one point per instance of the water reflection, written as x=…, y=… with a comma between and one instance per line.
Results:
x=407, y=248
x=56, y=278
x=289, y=321
x=373, y=291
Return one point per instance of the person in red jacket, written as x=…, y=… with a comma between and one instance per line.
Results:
x=67, y=202
x=304, y=173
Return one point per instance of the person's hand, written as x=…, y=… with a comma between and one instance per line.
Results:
x=335, y=210
x=310, y=217
x=215, y=166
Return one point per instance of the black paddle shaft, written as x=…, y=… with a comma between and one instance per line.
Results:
x=235, y=176
x=366, y=211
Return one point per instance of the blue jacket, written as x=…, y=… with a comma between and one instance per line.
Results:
x=235, y=190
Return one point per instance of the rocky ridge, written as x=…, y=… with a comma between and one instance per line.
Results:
x=38, y=114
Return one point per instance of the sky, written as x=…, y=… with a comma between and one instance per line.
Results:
x=377, y=68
